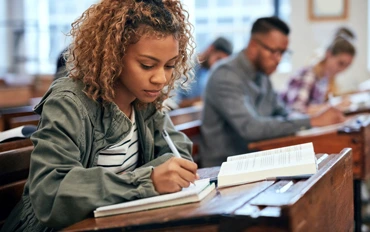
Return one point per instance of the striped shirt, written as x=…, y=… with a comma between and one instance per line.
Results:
x=122, y=156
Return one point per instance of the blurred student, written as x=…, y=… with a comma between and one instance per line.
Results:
x=99, y=138
x=219, y=49
x=309, y=88
x=240, y=104
x=61, y=69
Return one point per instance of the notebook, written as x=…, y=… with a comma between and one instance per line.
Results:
x=196, y=192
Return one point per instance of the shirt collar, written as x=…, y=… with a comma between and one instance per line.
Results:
x=247, y=66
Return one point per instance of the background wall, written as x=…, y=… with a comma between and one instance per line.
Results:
x=307, y=36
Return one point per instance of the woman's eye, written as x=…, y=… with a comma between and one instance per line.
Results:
x=170, y=66
x=146, y=66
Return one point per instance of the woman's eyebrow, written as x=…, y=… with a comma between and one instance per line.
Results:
x=156, y=59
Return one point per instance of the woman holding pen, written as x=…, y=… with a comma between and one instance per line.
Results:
x=99, y=141
x=309, y=88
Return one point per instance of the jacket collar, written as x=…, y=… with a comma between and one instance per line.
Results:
x=108, y=120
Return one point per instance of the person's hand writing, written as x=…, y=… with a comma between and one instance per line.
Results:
x=344, y=104
x=173, y=175
x=327, y=116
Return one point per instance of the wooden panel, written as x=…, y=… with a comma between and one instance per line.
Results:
x=10, y=194
x=14, y=164
x=365, y=132
x=8, y=114
x=192, y=130
x=14, y=168
x=15, y=96
x=41, y=85
x=324, y=202
x=184, y=115
x=24, y=120
x=6, y=146
x=1, y=123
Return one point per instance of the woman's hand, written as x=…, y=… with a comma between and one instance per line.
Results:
x=173, y=175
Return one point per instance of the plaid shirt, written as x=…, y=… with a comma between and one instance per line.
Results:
x=305, y=88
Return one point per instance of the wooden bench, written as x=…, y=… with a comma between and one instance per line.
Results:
x=24, y=120
x=8, y=114
x=188, y=121
x=15, y=96
x=14, y=168
x=192, y=130
x=11, y=145
x=188, y=114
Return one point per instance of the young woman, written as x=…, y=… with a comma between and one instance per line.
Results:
x=99, y=138
x=309, y=88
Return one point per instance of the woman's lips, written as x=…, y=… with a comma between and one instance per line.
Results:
x=153, y=93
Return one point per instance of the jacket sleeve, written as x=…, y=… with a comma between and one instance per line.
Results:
x=62, y=190
x=226, y=93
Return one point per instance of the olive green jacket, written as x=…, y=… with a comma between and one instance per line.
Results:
x=64, y=184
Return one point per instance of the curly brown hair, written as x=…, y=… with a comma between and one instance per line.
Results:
x=103, y=32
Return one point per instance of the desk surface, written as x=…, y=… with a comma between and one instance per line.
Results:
x=184, y=115
x=332, y=141
x=323, y=202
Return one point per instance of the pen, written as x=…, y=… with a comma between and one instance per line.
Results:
x=298, y=177
x=170, y=144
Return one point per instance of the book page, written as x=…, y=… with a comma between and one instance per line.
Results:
x=12, y=133
x=293, y=163
x=303, y=146
x=266, y=162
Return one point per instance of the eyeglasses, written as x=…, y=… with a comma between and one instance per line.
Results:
x=274, y=51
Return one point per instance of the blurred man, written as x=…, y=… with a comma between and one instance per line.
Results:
x=219, y=49
x=240, y=105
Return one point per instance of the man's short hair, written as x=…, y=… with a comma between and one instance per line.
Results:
x=267, y=24
x=224, y=45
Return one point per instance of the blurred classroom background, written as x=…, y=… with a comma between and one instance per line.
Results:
x=33, y=33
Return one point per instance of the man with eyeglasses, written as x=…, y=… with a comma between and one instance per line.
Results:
x=240, y=105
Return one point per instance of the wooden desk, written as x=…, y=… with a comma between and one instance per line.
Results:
x=14, y=168
x=15, y=96
x=188, y=121
x=184, y=115
x=360, y=102
x=320, y=203
x=11, y=145
x=7, y=114
x=356, y=137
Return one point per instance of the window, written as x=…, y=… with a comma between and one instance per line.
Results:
x=201, y=3
x=32, y=36
x=37, y=34
x=223, y=3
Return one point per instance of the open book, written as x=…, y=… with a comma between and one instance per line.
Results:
x=297, y=160
x=194, y=193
